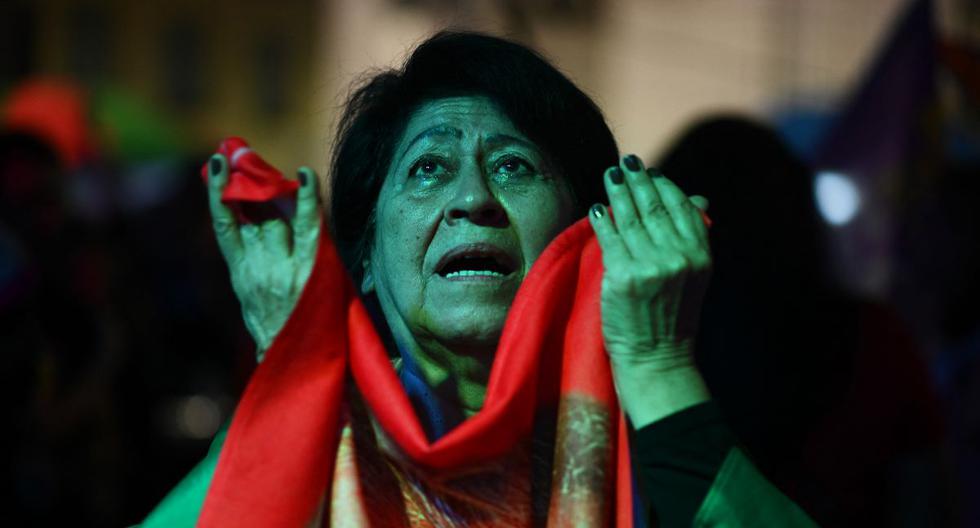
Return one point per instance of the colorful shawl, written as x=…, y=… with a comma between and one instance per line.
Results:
x=325, y=431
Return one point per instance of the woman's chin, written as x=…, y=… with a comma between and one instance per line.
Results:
x=477, y=328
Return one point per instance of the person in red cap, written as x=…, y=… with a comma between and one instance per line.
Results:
x=54, y=111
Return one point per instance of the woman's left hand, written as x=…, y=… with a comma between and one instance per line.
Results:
x=657, y=264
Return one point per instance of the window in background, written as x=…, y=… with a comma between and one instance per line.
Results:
x=271, y=75
x=18, y=30
x=90, y=42
x=181, y=60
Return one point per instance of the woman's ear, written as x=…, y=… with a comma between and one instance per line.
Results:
x=367, y=279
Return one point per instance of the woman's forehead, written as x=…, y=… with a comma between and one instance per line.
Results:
x=458, y=118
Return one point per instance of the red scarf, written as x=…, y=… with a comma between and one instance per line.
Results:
x=297, y=454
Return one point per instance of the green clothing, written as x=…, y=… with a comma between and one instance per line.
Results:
x=739, y=497
x=182, y=506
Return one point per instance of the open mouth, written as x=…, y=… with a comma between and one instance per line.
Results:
x=476, y=261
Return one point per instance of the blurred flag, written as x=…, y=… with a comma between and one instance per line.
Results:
x=874, y=143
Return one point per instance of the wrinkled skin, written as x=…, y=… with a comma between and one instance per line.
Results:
x=462, y=174
x=657, y=262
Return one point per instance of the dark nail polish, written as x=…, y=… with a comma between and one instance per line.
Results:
x=616, y=175
x=656, y=174
x=215, y=165
x=301, y=176
x=597, y=210
x=632, y=162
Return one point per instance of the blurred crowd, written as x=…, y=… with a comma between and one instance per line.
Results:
x=123, y=342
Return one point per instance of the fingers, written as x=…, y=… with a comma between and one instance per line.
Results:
x=222, y=218
x=685, y=215
x=628, y=224
x=306, y=224
x=610, y=241
x=700, y=217
x=251, y=236
x=272, y=239
x=652, y=211
x=275, y=240
x=700, y=202
x=650, y=206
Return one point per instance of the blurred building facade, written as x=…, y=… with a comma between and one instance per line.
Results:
x=277, y=72
x=213, y=68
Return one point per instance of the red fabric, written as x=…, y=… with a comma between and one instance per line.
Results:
x=278, y=456
x=706, y=219
x=277, y=463
x=251, y=180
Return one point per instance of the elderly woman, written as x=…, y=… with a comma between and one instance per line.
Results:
x=477, y=378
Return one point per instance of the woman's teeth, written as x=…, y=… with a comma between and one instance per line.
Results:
x=474, y=273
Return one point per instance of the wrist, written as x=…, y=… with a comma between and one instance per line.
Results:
x=654, y=360
x=652, y=390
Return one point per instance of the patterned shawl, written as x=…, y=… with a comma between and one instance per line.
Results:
x=325, y=433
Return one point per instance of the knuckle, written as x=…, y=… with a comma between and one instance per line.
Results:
x=669, y=265
x=621, y=283
x=307, y=237
x=655, y=209
x=223, y=226
x=278, y=290
x=275, y=228
x=630, y=222
x=677, y=264
x=652, y=271
x=235, y=262
x=307, y=204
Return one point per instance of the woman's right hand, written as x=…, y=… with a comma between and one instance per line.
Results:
x=269, y=262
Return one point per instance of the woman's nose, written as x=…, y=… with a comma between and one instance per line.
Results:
x=475, y=202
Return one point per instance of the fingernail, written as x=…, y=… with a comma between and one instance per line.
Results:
x=632, y=162
x=656, y=174
x=215, y=164
x=597, y=210
x=616, y=175
x=301, y=175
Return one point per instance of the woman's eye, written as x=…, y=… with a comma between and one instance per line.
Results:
x=513, y=165
x=426, y=168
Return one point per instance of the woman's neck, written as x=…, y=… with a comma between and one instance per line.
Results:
x=457, y=378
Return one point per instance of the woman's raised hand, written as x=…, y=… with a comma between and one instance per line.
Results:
x=657, y=264
x=269, y=262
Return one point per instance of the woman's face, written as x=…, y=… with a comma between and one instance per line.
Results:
x=467, y=206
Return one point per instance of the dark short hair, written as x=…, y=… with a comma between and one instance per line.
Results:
x=541, y=102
